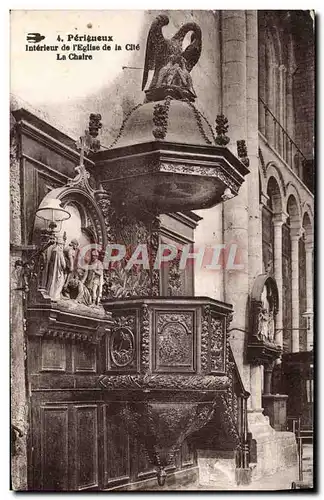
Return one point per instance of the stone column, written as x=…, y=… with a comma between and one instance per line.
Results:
x=290, y=116
x=255, y=220
x=236, y=219
x=295, y=233
x=269, y=123
x=267, y=378
x=309, y=289
x=19, y=402
x=262, y=75
x=278, y=220
x=282, y=108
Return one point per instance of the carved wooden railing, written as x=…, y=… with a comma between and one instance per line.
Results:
x=239, y=397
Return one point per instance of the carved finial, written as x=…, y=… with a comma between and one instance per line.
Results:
x=84, y=145
x=227, y=195
x=82, y=178
x=242, y=152
x=94, y=126
x=221, y=130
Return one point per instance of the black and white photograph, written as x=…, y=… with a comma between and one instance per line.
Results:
x=162, y=226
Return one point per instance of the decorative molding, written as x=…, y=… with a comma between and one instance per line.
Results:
x=53, y=323
x=174, y=277
x=217, y=345
x=50, y=142
x=171, y=381
x=145, y=337
x=215, y=171
x=204, y=342
x=263, y=165
x=15, y=187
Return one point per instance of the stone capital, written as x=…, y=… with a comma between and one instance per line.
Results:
x=282, y=68
x=309, y=245
x=295, y=233
x=264, y=199
x=296, y=230
x=279, y=219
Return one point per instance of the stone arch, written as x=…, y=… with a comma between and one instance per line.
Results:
x=307, y=209
x=293, y=209
x=291, y=190
x=261, y=282
x=275, y=195
x=307, y=223
x=274, y=171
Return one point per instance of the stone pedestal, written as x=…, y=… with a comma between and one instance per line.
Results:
x=216, y=468
x=275, y=407
x=275, y=450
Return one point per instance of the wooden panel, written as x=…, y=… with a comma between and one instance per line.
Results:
x=217, y=344
x=187, y=454
x=54, y=448
x=175, y=339
x=53, y=355
x=86, y=446
x=116, y=447
x=84, y=358
x=121, y=345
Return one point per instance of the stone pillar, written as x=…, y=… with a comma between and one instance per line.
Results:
x=269, y=123
x=275, y=104
x=256, y=389
x=267, y=378
x=290, y=116
x=236, y=219
x=19, y=403
x=262, y=74
x=309, y=290
x=255, y=220
x=278, y=220
x=282, y=109
x=295, y=233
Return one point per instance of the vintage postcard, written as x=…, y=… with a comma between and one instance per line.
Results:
x=161, y=239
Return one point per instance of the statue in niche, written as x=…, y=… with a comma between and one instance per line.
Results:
x=266, y=329
x=263, y=324
x=70, y=254
x=94, y=278
x=76, y=288
x=171, y=64
x=56, y=270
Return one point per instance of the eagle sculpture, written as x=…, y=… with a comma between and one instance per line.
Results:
x=171, y=64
